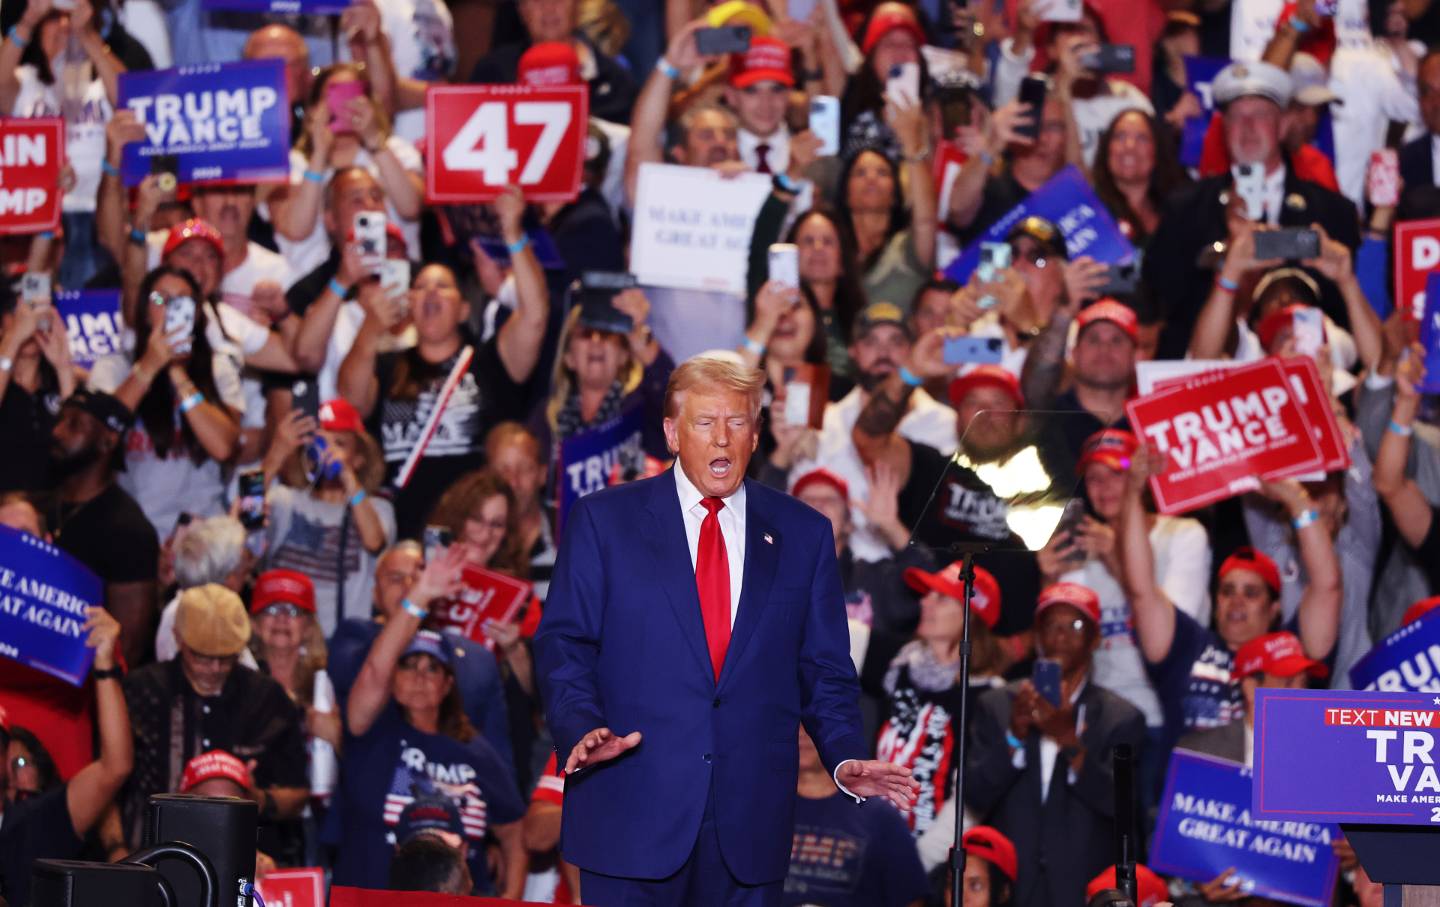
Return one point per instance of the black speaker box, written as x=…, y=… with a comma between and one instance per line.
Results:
x=221, y=828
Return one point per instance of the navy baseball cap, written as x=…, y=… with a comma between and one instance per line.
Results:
x=429, y=814
x=430, y=643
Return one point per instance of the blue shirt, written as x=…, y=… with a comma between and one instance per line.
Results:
x=846, y=854
x=387, y=768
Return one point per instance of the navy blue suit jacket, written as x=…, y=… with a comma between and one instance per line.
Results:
x=622, y=645
x=1417, y=163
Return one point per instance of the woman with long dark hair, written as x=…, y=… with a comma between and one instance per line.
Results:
x=1136, y=167
x=187, y=403
x=892, y=222
x=892, y=37
x=40, y=375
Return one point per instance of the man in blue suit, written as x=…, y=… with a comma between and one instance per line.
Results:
x=694, y=620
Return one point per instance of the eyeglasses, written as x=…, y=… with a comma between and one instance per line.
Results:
x=283, y=609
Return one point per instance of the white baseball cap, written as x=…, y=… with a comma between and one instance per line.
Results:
x=1260, y=79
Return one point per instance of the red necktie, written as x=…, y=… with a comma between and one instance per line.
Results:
x=762, y=151
x=712, y=581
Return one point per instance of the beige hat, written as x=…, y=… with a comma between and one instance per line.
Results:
x=211, y=620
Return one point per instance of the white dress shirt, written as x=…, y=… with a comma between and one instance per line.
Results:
x=732, y=530
x=777, y=157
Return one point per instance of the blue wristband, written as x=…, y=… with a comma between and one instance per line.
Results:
x=1015, y=742
x=137, y=236
x=45, y=234
x=784, y=183
x=337, y=288
x=1226, y=284
x=191, y=402
x=910, y=377
x=1305, y=519
x=413, y=609
x=14, y=35
x=518, y=246
x=1300, y=26
x=662, y=64
x=358, y=498
x=1403, y=431
x=754, y=346
x=109, y=169
x=314, y=176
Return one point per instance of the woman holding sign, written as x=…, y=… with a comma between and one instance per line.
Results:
x=1191, y=665
x=186, y=399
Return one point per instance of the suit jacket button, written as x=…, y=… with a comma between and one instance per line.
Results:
x=707, y=757
x=716, y=703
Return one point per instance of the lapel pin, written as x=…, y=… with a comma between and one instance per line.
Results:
x=768, y=539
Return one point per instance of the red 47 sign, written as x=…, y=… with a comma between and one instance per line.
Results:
x=482, y=137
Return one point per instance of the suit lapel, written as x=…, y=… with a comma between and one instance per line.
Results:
x=665, y=534
x=762, y=555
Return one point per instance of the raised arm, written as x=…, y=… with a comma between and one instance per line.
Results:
x=1154, y=613
x=912, y=125
x=1319, y=610
x=647, y=121
x=94, y=786
x=1408, y=508
x=20, y=35
x=1335, y=263
x=107, y=66
x=372, y=686
x=521, y=335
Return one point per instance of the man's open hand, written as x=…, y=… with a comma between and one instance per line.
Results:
x=874, y=778
x=600, y=745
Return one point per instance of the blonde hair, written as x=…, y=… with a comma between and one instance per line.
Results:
x=562, y=382
x=712, y=374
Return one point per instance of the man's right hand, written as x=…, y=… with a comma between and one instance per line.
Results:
x=600, y=745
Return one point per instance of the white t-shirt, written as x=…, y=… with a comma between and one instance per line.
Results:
x=342, y=337
x=84, y=136
x=1375, y=91
x=165, y=488
x=1182, y=571
x=422, y=46
x=307, y=254
x=927, y=422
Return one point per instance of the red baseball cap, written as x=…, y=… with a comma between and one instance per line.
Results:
x=1117, y=313
x=194, y=228
x=1150, y=889
x=276, y=587
x=1271, y=325
x=887, y=18
x=767, y=60
x=1112, y=447
x=821, y=476
x=1082, y=598
x=984, y=598
x=1421, y=608
x=989, y=844
x=340, y=415
x=214, y=764
x=1247, y=558
x=549, y=63
x=987, y=376
x=1276, y=653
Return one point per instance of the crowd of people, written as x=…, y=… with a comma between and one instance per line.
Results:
x=275, y=562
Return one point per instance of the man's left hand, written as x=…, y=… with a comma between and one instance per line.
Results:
x=104, y=633
x=875, y=778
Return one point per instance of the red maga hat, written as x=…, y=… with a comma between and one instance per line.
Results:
x=984, y=598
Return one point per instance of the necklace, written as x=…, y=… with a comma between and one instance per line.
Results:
x=61, y=517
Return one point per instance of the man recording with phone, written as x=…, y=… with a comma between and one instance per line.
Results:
x=1039, y=765
x=1261, y=187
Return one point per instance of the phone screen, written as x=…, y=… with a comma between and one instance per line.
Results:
x=251, y=484
x=1032, y=93
x=1046, y=678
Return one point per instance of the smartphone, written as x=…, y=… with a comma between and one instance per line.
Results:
x=610, y=281
x=305, y=396
x=435, y=540
x=1068, y=525
x=180, y=322
x=727, y=39
x=785, y=264
x=1046, y=678
x=1382, y=179
x=320, y=463
x=1109, y=58
x=1032, y=93
x=395, y=278
x=973, y=350
x=251, y=484
x=1250, y=186
x=1123, y=280
x=165, y=167
x=338, y=96
x=370, y=237
x=825, y=123
x=1056, y=10
x=994, y=258
x=807, y=388
x=956, y=103
x=903, y=87
x=1289, y=243
x=1309, y=330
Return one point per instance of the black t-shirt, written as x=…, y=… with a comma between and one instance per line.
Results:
x=308, y=288
x=1428, y=551
x=966, y=510
x=25, y=423
x=485, y=396
x=1001, y=193
x=109, y=534
x=35, y=829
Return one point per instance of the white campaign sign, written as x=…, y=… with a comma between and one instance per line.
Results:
x=692, y=227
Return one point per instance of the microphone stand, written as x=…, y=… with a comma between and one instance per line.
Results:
x=1125, y=820
x=967, y=550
